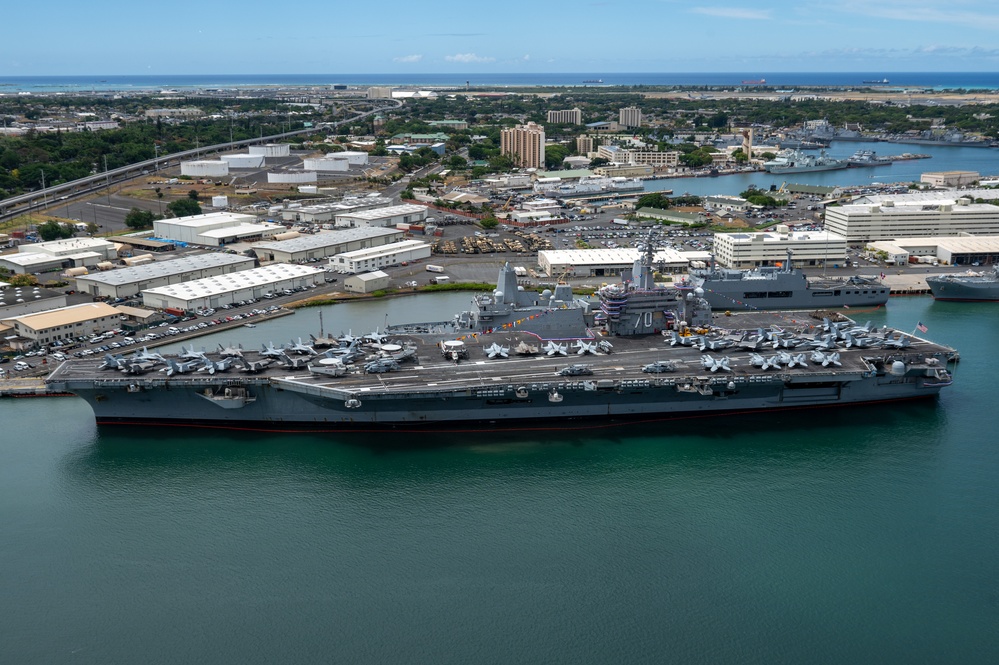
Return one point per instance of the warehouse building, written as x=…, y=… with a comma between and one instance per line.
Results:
x=406, y=213
x=366, y=283
x=608, y=262
x=58, y=255
x=128, y=282
x=373, y=258
x=750, y=250
x=214, y=229
x=233, y=287
x=317, y=246
x=957, y=250
x=326, y=212
x=66, y=323
x=21, y=300
x=950, y=178
x=944, y=217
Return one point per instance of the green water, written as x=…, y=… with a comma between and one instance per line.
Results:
x=865, y=535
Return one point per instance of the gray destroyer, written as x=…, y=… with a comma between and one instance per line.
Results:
x=968, y=287
x=783, y=287
x=649, y=352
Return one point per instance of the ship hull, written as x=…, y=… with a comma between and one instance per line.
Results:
x=285, y=407
x=964, y=291
x=807, y=169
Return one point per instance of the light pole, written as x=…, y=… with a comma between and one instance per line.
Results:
x=156, y=159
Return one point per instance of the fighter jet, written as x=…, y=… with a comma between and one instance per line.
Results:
x=826, y=359
x=148, y=356
x=495, y=350
x=660, y=366
x=113, y=361
x=715, y=364
x=270, y=351
x=174, y=367
x=138, y=366
x=605, y=346
x=300, y=348
x=252, y=366
x=346, y=338
x=553, y=348
x=682, y=340
x=827, y=341
x=575, y=370
x=756, y=360
x=212, y=366
x=231, y=351
x=585, y=347
x=892, y=342
x=859, y=342
x=750, y=342
x=190, y=353
x=786, y=342
x=375, y=337
x=293, y=363
x=324, y=342
x=712, y=343
x=791, y=361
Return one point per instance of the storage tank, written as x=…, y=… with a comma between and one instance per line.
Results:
x=326, y=164
x=204, y=168
x=76, y=272
x=287, y=235
x=243, y=161
x=271, y=150
x=220, y=201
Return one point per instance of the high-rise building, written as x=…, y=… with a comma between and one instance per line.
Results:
x=379, y=92
x=630, y=116
x=584, y=144
x=569, y=117
x=525, y=144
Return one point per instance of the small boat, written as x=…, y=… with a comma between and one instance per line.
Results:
x=249, y=325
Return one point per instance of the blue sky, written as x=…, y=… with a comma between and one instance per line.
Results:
x=400, y=36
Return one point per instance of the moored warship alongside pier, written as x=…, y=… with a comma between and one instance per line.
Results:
x=649, y=351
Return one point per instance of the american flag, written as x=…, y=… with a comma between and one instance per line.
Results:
x=920, y=327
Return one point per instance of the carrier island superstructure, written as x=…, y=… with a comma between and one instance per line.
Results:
x=644, y=351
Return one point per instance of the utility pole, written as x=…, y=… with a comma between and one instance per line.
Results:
x=45, y=202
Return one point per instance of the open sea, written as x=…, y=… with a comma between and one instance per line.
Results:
x=98, y=82
x=861, y=535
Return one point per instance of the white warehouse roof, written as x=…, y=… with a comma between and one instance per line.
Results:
x=234, y=281
x=164, y=268
x=327, y=239
x=385, y=213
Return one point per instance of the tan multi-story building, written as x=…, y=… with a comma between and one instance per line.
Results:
x=584, y=144
x=630, y=116
x=656, y=158
x=379, y=92
x=568, y=117
x=525, y=144
x=950, y=178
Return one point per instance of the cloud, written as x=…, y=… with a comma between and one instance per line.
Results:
x=922, y=11
x=527, y=57
x=468, y=57
x=456, y=34
x=734, y=13
x=408, y=58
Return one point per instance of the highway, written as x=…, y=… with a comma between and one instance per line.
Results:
x=59, y=194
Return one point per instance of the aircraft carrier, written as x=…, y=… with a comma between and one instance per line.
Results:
x=649, y=352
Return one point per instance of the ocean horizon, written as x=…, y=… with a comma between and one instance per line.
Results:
x=101, y=82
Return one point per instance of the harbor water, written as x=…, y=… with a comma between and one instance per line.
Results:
x=822, y=536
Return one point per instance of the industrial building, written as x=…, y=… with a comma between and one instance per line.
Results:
x=66, y=323
x=128, y=282
x=58, y=255
x=749, y=250
x=326, y=212
x=406, y=213
x=233, y=287
x=372, y=258
x=214, y=229
x=955, y=250
x=950, y=178
x=317, y=246
x=366, y=283
x=945, y=217
x=21, y=300
x=606, y=262
x=204, y=168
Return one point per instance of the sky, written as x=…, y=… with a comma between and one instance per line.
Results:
x=114, y=37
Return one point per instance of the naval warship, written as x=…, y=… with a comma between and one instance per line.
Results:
x=648, y=351
x=970, y=287
x=783, y=287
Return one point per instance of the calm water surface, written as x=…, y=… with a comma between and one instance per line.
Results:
x=826, y=536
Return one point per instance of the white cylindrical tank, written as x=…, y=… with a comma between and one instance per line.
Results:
x=329, y=163
x=271, y=150
x=204, y=168
x=292, y=177
x=352, y=157
x=243, y=161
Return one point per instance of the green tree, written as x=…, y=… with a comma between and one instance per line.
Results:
x=53, y=230
x=193, y=194
x=184, y=208
x=599, y=161
x=554, y=156
x=139, y=219
x=489, y=222
x=654, y=200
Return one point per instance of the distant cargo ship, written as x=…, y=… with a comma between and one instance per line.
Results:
x=593, y=80
x=754, y=82
x=878, y=82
